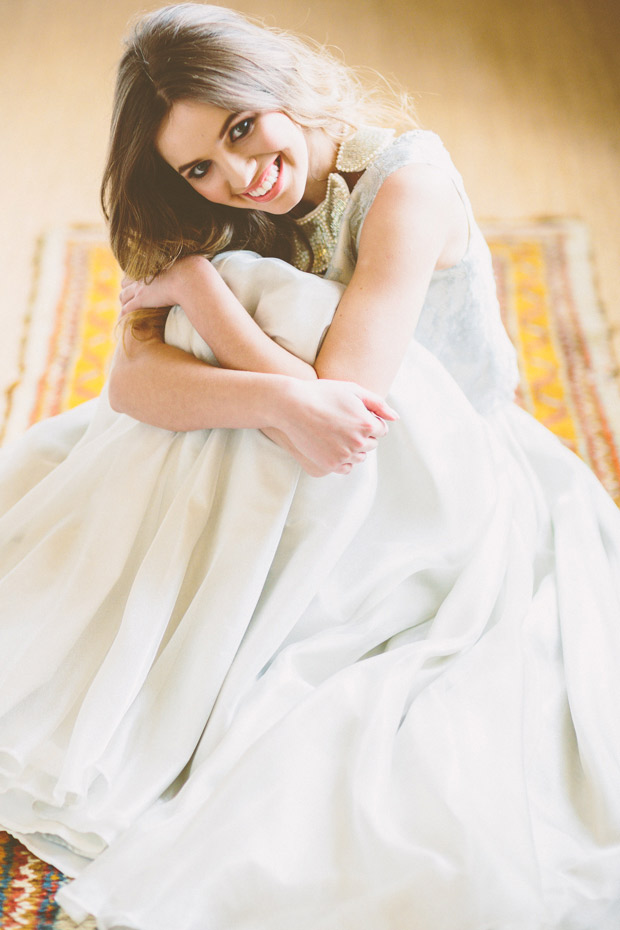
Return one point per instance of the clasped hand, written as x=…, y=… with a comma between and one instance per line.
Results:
x=164, y=290
x=332, y=425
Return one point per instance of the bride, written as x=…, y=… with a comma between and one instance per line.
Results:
x=303, y=622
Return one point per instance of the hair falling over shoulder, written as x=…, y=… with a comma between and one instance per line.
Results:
x=194, y=51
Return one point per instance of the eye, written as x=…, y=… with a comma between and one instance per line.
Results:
x=241, y=129
x=199, y=170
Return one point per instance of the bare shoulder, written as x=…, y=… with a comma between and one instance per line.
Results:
x=419, y=202
x=417, y=184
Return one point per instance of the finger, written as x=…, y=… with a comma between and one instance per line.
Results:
x=126, y=295
x=379, y=428
x=370, y=432
x=378, y=406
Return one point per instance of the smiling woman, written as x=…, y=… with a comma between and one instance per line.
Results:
x=324, y=631
x=250, y=72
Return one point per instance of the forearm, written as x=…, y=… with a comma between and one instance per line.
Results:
x=166, y=387
x=327, y=426
x=236, y=340
x=416, y=225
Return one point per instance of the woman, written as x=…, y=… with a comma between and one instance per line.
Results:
x=384, y=697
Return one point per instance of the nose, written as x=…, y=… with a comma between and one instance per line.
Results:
x=239, y=171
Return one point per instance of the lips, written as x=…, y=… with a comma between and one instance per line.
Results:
x=268, y=185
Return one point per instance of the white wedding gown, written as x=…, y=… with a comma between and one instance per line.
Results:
x=264, y=701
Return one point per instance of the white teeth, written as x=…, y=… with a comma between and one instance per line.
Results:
x=270, y=179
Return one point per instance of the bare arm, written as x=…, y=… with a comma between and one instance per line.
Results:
x=235, y=339
x=325, y=425
x=164, y=386
x=417, y=223
x=328, y=428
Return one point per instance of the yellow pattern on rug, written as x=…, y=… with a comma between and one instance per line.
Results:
x=543, y=385
x=83, y=340
x=569, y=379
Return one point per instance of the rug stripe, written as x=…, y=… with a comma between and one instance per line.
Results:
x=569, y=377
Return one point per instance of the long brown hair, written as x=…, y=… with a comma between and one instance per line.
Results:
x=193, y=51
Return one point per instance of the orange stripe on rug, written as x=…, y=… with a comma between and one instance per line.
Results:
x=569, y=378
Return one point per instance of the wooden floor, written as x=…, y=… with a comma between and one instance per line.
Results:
x=526, y=96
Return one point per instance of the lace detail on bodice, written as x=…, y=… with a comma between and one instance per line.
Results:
x=321, y=228
x=460, y=320
x=322, y=225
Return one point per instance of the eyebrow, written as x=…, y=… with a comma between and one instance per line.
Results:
x=191, y=164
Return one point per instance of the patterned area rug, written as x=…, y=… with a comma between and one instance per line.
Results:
x=570, y=382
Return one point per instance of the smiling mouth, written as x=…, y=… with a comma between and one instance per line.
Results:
x=267, y=183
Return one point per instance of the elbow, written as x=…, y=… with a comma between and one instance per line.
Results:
x=125, y=374
x=116, y=395
x=119, y=381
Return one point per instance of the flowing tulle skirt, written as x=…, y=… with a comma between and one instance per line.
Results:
x=260, y=700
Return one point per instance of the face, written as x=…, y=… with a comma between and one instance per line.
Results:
x=255, y=161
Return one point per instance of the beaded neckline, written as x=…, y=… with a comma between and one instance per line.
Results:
x=321, y=225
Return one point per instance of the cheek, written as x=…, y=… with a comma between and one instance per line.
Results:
x=281, y=133
x=209, y=189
